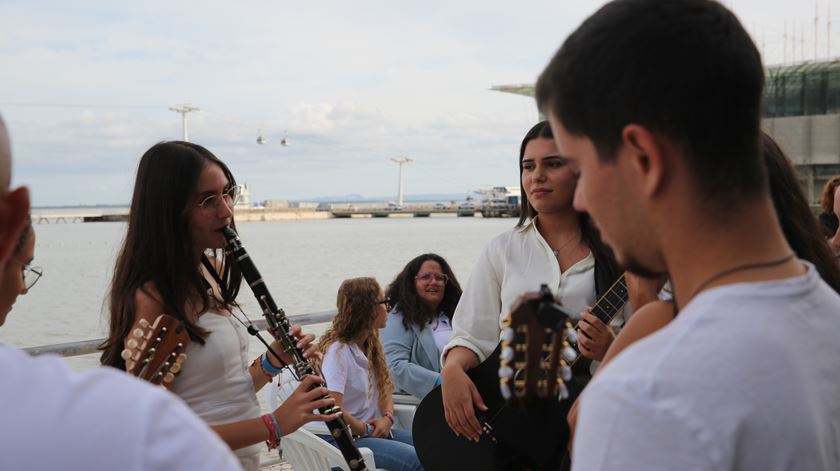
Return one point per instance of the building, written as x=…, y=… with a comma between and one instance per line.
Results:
x=801, y=111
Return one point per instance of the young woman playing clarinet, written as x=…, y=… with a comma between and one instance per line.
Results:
x=172, y=262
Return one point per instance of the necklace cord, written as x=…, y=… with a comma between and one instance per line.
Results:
x=737, y=268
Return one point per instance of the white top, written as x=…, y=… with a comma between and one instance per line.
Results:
x=101, y=419
x=346, y=372
x=746, y=377
x=512, y=264
x=441, y=331
x=215, y=381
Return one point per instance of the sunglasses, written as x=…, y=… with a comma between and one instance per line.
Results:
x=386, y=302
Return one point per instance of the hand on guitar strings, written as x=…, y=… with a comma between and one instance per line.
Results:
x=597, y=336
x=300, y=406
x=459, y=395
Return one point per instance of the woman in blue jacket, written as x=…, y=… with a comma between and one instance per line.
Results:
x=424, y=296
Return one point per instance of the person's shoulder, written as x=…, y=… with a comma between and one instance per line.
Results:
x=147, y=298
x=394, y=326
x=337, y=350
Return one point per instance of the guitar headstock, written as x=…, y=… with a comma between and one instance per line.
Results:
x=155, y=352
x=534, y=362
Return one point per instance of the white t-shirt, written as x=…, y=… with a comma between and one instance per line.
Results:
x=346, y=372
x=746, y=377
x=102, y=419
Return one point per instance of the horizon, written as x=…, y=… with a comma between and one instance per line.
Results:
x=87, y=89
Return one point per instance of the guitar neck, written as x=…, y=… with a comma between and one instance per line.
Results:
x=612, y=301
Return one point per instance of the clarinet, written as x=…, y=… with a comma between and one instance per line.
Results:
x=278, y=326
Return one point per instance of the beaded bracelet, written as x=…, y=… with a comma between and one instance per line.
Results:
x=278, y=434
x=268, y=367
x=272, y=432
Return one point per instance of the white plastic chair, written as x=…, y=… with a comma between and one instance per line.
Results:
x=303, y=448
x=308, y=452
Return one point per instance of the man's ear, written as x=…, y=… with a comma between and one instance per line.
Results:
x=14, y=209
x=647, y=157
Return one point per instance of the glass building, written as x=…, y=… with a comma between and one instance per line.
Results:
x=801, y=111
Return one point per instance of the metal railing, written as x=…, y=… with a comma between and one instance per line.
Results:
x=87, y=347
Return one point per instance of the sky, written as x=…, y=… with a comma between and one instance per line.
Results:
x=86, y=87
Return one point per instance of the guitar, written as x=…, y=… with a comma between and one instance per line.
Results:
x=155, y=352
x=525, y=424
x=604, y=309
x=440, y=449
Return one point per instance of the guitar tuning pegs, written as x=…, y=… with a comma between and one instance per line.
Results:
x=125, y=354
x=175, y=368
x=131, y=343
x=569, y=353
x=168, y=377
x=566, y=373
x=507, y=354
x=181, y=358
x=564, y=392
x=138, y=332
x=143, y=323
x=571, y=335
x=505, y=372
x=505, y=390
x=507, y=335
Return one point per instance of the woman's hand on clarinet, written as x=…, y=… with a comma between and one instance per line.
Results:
x=305, y=342
x=299, y=408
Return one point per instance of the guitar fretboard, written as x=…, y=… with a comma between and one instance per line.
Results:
x=612, y=301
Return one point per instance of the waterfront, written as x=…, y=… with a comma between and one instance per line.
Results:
x=303, y=263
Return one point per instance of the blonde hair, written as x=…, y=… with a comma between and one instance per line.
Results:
x=356, y=302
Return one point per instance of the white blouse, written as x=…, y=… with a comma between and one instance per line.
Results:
x=514, y=263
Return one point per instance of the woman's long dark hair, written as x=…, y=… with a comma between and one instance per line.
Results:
x=799, y=225
x=158, y=247
x=607, y=269
x=404, y=296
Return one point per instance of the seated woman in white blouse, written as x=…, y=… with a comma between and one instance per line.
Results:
x=552, y=244
x=357, y=376
x=424, y=296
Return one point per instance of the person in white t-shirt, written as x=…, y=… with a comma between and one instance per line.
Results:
x=54, y=418
x=657, y=105
x=357, y=376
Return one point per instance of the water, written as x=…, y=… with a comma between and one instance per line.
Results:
x=303, y=263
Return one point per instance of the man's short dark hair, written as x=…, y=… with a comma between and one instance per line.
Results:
x=685, y=69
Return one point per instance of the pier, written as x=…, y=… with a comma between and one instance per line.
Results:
x=411, y=211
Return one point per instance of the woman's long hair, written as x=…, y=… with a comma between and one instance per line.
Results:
x=607, y=268
x=357, y=302
x=801, y=228
x=827, y=196
x=158, y=247
x=403, y=293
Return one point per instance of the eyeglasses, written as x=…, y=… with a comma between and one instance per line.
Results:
x=427, y=277
x=30, y=275
x=386, y=302
x=230, y=197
